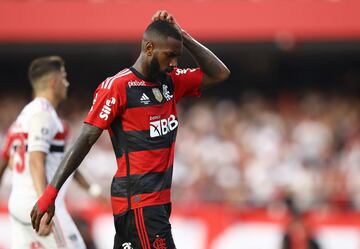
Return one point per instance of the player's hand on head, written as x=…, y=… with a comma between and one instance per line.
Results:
x=37, y=215
x=164, y=16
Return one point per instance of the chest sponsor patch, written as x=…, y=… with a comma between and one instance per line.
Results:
x=163, y=126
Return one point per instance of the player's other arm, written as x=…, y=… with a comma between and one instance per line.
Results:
x=3, y=164
x=37, y=170
x=73, y=158
x=213, y=68
x=5, y=155
x=93, y=189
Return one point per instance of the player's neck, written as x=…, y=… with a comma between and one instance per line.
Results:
x=49, y=97
x=142, y=67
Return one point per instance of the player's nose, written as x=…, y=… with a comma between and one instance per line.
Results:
x=66, y=83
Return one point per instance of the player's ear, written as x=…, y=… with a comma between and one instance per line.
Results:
x=53, y=80
x=149, y=48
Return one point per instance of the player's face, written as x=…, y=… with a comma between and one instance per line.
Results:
x=165, y=56
x=62, y=84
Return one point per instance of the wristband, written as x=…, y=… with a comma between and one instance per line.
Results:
x=47, y=198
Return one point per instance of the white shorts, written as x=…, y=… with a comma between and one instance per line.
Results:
x=65, y=234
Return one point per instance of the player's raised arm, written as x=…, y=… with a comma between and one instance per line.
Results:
x=213, y=68
x=73, y=158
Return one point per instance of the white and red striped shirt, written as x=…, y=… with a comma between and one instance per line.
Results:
x=37, y=128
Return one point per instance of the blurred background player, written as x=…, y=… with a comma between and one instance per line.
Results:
x=138, y=108
x=6, y=158
x=38, y=136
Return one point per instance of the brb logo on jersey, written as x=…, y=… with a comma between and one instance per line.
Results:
x=161, y=127
x=105, y=111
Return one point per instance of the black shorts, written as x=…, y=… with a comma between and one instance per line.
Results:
x=144, y=228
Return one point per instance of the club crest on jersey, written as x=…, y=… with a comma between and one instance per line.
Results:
x=159, y=243
x=157, y=94
x=163, y=126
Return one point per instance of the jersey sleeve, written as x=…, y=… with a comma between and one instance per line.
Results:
x=107, y=103
x=6, y=148
x=187, y=82
x=42, y=129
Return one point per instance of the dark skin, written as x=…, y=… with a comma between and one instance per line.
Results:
x=157, y=54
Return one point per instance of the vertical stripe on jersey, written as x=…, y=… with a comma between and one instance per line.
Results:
x=139, y=229
x=118, y=132
x=142, y=222
x=140, y=225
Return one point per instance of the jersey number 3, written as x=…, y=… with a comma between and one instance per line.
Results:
x=19, y=154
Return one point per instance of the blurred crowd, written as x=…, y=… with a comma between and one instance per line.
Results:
x=249, y=152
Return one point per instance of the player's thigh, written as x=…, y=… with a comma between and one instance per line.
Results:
x=65, y=226
x=157, y=226
x=144, y=228
x=125, y=237
x=23, y=236
x=19, y=238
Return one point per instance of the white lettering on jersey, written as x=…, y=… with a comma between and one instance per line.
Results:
x=136, y=83
x=127, y=245
x=106, y=110
x=163, y=126
x=184, y=71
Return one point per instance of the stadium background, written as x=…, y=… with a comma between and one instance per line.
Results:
x=275, y=150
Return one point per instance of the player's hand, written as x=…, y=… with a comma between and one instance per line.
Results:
x=45, y=229
x=165, y=16
x=36, y=216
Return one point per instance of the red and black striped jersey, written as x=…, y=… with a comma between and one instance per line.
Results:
x=142, y=122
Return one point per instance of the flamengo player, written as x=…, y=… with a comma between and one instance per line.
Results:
x=138, y=108
x=39, y=137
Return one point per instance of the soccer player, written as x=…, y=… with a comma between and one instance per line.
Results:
x=39, y=137
x=138, y=108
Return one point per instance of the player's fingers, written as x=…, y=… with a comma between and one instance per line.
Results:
x=163, y=15
x=32, y=215
x=37, y=221
x=155, y=17
x=49, y=218
x=170, y=18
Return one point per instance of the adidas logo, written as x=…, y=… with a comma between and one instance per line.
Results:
x=144, y=99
